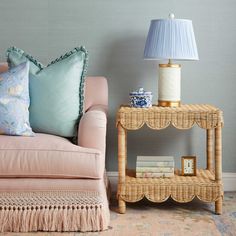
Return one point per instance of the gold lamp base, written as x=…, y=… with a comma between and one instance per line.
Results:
x=169, y=103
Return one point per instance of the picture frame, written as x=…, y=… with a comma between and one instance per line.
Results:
x=189, y=165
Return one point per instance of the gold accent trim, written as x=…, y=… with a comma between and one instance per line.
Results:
x=170, y=65
x=169, y=103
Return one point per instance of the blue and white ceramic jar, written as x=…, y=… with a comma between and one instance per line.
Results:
x=140, y=98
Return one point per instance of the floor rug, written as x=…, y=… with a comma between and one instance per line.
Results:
x=167, y=219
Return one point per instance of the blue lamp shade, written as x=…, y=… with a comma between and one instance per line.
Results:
x=171, y=39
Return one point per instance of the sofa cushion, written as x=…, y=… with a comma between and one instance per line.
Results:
x=48, y=156
x=56, y=91
x=14, y=101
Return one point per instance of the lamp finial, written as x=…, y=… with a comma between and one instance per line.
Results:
x=171, y=16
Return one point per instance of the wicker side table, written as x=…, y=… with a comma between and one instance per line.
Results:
x=206, y=185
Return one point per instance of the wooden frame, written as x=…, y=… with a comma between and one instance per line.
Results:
x=194, y=163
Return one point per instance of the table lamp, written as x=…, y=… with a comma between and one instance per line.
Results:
x=170, y=39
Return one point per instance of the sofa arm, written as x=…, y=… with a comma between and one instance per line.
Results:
x=92, y=128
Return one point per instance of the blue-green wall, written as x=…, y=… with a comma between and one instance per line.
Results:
x=114, y=32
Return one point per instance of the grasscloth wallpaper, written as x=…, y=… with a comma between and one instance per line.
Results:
x=114, y=32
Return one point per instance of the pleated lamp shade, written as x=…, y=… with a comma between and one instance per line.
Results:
x=171, y=39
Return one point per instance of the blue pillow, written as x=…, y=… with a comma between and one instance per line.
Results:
x=14, y=101
x=56, y=91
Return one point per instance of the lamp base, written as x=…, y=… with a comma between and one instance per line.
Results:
x=168, y=103
x=169, y=85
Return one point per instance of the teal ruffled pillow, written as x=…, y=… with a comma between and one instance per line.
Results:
x=56, y=91
x=14, y=101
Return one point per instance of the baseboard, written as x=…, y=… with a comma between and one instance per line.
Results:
x=229, y=180
x=113, y=177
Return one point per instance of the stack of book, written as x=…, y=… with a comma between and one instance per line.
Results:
x=154, y=166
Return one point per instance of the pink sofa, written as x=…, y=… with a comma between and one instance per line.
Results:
x=49, y=184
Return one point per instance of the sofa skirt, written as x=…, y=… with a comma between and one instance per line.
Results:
x=47, y=208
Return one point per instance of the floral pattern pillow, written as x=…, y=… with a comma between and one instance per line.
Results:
x=14, y=101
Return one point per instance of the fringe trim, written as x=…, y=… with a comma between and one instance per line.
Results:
x=52, y=218
x=52, y=211
x=21, y=52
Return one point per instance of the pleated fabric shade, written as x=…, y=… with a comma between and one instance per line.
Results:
x=171, y=39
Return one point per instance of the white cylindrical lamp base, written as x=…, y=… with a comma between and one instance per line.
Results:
x=169, y=85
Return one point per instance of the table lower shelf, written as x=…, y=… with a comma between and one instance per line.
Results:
x=179, y=188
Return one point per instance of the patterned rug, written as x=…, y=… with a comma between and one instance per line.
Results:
x=168, y=219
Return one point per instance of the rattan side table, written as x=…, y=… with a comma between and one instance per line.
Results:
x=206, y=185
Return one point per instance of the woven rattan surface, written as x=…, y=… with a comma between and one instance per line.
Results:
x=180, y=188
x=183, y=117
x=207, y=185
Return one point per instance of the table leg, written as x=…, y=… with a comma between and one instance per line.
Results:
x=218, y=166
x=122, y=206
x=218, y=206
x=209, y=149
x=121, y=164
x=125, y=149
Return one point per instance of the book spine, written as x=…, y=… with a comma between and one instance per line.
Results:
x=153, y=175
x=155, y=163
x=155, y=158
x=155, y=169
